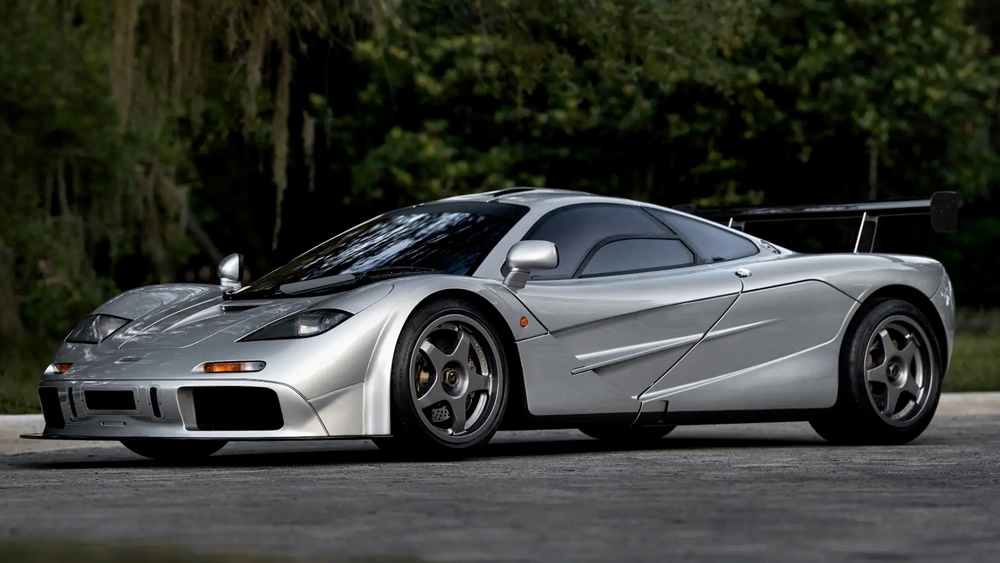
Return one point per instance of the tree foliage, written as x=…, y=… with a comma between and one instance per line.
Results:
x=856, y=99
x=145, y=138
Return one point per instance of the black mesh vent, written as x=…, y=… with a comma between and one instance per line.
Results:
x=51, y=411
x=236, y=408
x=109, y=400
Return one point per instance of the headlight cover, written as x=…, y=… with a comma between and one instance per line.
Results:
x=95, y=328
x=302, y=325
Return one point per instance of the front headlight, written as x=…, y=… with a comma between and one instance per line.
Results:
x=95, y=328
x=302, y=325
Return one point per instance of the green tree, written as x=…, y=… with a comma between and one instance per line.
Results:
x=801, y=100
x=144, y=138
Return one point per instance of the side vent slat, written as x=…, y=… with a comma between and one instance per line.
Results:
x=72, y=403
x=154, y=402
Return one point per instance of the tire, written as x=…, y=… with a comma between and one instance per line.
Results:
x=450, y=380
x=174, y=451
x=890, y=377
x=628, y=435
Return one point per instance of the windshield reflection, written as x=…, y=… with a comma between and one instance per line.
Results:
x=448, y=238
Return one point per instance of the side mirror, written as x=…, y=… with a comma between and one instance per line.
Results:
x=230, y=271
x=528, y=255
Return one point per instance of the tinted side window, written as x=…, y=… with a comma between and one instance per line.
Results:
x=576, y=230
x=636, y=255
x=715, y=243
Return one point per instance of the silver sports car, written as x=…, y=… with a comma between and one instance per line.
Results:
x=429, y=328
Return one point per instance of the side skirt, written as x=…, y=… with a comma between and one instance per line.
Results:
x=742, y=417
x=661, y=419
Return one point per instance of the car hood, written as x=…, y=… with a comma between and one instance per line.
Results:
x=184, y=323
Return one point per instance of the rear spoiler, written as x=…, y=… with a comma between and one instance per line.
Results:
x=942, y=208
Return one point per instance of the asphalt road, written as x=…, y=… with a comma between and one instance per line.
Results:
x=763, y=492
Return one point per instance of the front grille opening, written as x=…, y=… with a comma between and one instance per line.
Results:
x=51, y=410
x=109, y=400
x=72, y=404
x=154, y=402
x=236, y=408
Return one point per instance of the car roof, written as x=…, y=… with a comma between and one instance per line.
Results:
x=543, y=200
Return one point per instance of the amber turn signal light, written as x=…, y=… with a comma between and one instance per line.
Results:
x=232, y=367
x=62, y=367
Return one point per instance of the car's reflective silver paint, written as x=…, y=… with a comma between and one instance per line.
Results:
x=609, y=338
x=773, y=349
x=698, y=340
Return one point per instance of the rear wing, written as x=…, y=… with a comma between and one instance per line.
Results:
x=942, y=208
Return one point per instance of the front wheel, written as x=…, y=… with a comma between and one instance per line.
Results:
x=890, y=378
x=174, y=451
x=449, y=382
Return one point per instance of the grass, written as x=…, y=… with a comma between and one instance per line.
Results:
x=975, y=364
x=19, y=375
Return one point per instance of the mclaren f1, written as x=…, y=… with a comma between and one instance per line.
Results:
x=428, y=328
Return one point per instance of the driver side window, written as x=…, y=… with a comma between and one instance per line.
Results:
x=579, y=230
x=625, y=256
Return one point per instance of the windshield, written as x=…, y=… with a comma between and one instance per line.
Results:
x=445, y=237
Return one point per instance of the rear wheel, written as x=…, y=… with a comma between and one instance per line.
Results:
x=174, y=450
x=627, y=435
x=449, y=382
x=890, y=378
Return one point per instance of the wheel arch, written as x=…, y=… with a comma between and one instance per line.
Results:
x=504, y=312
x=916, y=298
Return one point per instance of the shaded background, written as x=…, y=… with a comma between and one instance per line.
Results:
x=144, y=139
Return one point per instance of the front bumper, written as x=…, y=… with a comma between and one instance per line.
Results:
x=190, y=409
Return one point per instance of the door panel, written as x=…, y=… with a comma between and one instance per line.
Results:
x=775, y=348
x=610, y=338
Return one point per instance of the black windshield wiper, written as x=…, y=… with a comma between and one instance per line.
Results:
x=345, y=280
x=318, y=284
x=392, y=271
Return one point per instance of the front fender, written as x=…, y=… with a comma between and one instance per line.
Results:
x=412, y=293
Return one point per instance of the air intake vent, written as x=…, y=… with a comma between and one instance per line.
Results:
x=72, y=403
x=154, y=402
x=51, y=410
x=231, y=308
x=513, y=191
x=236, y=408
x=109, y=400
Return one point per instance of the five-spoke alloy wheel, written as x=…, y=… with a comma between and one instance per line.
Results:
x=449, y=381
x=897, y=373
x=890, y=377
